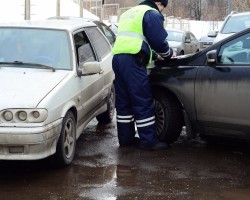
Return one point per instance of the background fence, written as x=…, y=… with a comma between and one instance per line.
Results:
x=15, y=10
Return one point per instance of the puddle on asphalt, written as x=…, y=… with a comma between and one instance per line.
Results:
x=190, y=169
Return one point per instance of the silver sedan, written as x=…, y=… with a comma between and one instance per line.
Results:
x=182, y=42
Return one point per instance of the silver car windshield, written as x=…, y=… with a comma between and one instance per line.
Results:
x=175, y=36
x=236, y=24
x=38, y=46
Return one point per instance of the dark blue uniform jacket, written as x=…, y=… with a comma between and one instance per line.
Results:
x=155, y=34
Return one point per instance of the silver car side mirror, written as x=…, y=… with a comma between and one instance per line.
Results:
x=90, y=68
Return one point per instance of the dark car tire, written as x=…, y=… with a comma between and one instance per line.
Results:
x=108, y=115
x=181, y=53
x=66, y=144
x=169, y=117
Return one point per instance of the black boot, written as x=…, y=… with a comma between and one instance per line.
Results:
x=134, y=141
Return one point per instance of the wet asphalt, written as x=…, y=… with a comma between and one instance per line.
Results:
x=101, y=170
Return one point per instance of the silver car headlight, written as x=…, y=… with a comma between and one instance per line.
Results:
x=23, y=115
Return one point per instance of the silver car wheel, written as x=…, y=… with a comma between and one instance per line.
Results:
x=66, y=144
x=112, y=102
x=69, y=138
x=108, y=115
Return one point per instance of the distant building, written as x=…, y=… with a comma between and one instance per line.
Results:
x=14, y=10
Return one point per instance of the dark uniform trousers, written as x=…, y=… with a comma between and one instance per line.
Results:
x=134, y=103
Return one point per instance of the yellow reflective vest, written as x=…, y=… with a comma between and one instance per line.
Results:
x=130, y=33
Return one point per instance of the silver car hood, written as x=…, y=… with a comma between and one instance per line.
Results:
x=25, y=88
x=220, y=37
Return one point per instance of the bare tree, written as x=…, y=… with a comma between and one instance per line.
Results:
x=240, y=6
x=194, y=7
x=215, y=10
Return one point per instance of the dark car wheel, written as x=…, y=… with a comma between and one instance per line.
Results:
x=108, y=115
x=181, y=53
x=169, y=117
x=65, y=149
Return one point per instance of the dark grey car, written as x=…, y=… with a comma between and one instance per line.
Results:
x=205, y=41
x=208, y=92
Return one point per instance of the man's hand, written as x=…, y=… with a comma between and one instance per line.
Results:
x=174, y=54
x=159, y=57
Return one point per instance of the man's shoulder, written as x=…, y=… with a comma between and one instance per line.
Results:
x=153, y=14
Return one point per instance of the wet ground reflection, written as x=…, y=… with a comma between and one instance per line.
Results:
x=102, y=170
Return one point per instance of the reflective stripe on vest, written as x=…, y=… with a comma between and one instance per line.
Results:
x=136, y=35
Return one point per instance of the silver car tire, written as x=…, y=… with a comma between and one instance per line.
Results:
x=67, y=141
x=108, y=115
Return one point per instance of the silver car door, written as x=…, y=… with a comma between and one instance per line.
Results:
x=103, y=51
x=188, y=44
x=91, y=85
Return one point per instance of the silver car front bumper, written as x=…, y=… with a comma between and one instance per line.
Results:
x=29, y=143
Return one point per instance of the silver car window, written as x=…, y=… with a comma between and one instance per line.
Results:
x=84, y=51
x=99, y=41
x=235, y=52
x=175, y=36
x=235, y=24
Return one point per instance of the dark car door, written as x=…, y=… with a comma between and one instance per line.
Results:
x=222, y=92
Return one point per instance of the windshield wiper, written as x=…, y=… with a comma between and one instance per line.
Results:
x=29, y=65
x=230, y=32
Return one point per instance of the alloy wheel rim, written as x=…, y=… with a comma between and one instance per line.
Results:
x=69, y=138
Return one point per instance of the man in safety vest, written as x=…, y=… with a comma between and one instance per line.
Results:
x=140, y=35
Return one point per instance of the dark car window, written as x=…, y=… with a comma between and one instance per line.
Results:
x=101, y=45
x=193, y=38
x=236, y=51
x=84, y=51
x=187, y=37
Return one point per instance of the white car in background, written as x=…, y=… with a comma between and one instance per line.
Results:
x=234, y=23
x=182, y=42
x=55, y=77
